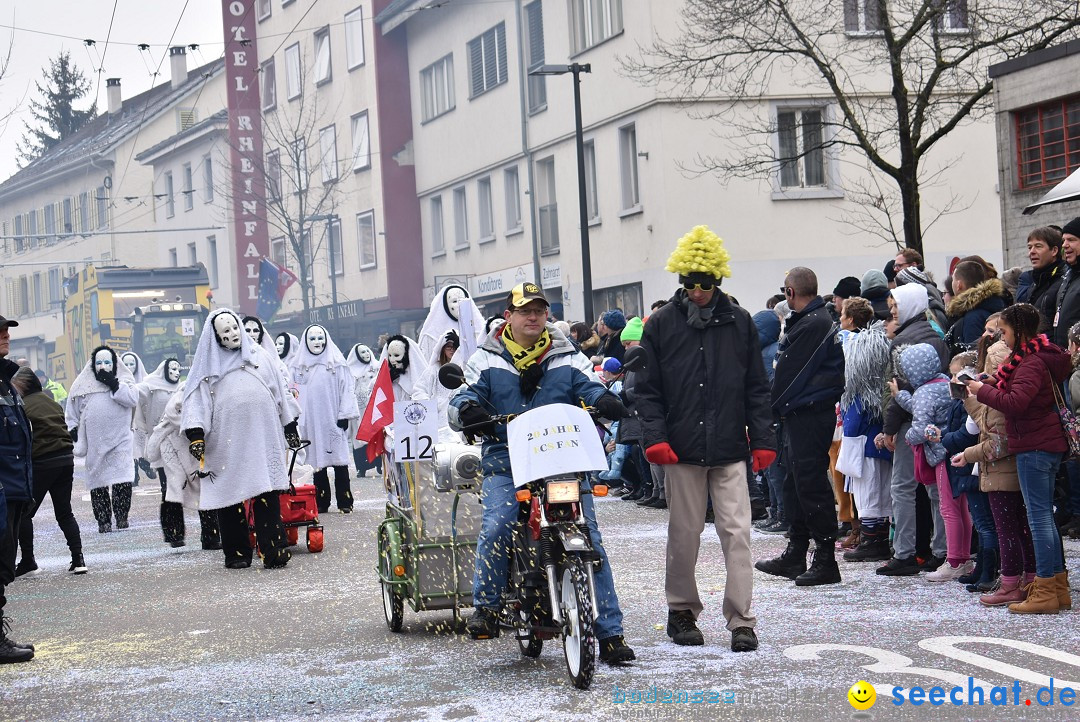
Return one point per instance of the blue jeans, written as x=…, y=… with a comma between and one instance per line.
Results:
x=493, y=554
x=1037, y=471
x=982, y=519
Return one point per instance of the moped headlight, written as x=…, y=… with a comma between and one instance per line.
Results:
x=563, y=492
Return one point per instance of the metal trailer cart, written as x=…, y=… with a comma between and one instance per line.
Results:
x=427, y=542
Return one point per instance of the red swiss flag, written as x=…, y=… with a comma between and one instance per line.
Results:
x=379, y=413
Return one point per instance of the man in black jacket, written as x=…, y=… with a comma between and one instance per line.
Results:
x=703, y=401
x=809, y=381
x=1047, y=272
x=1068, y=298
x=16, y=479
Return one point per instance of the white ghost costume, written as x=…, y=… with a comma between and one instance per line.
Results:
x=270, y=346
x=290, y=344
x=364, y=375
x=405, y=382
x=167, y=448
x=327, y=394
x=138, y=437
x=103, y=418
x=154, y=392
x=443, y=316
x=428, y=387
x=238, y=399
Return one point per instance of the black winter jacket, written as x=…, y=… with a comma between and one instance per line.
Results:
x=809, y=362
x=704, y=390
x=629, y=428
x=1043, y=293
x=916, y=330
x=16, y=439
x=1067, y=310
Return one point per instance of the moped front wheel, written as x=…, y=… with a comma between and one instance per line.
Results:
x=393, y=601
x=579, y=643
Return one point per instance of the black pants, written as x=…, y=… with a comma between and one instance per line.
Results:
x=924, y=523
x=341, y=488
x=362, y=464
x=808, y=494
x=54, y=481
x=269, y=531
x=120, y=504
x=172, y=519
x=8, y=541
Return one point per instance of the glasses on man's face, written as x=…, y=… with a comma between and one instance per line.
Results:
x=698, y=286
x=534, y=312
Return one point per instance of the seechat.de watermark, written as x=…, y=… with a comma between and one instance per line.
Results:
x=659, y=695
x=863, y=695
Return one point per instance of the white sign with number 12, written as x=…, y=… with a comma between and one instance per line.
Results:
x=416, y=429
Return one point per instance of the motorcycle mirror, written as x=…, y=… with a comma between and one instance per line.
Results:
x=451, y=376
x=634, y=359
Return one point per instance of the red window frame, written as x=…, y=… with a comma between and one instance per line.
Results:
x=1047, y=142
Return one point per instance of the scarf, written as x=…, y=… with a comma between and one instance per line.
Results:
x=525, y=357
x=1009, y=367
x=696, y=316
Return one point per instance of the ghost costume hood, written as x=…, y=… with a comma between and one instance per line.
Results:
x=287, y=347
x=318, y=349
x=103, y=418
x=911, y=300
x=444, y=315
x=139, y=372
x=360, y=368
x=212, y=361
x=154, y=392
x=327, y=396
x=406, y=362
x=87, y=381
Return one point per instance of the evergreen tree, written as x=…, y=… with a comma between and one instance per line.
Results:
x=55, y=113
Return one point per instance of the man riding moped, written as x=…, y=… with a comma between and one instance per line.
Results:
x=525, y=363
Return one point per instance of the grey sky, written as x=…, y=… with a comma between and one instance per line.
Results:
x=136, y=21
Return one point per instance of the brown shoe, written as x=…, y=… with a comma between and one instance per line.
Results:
x=1005, y=594
x=1063, y=596
x=1041, y=598
x=851, y=540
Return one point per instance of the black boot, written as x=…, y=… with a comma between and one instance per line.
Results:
x=78, y=564
x=790, y=564
x=10, y=651
x=873, y=547
x=823, y=568
x=988, y=572
x=976, y=571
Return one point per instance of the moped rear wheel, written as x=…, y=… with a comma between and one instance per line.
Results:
x=579, y=643
x=393, y=601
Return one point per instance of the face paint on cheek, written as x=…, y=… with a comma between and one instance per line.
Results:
x=103, y=362
x=315, y=339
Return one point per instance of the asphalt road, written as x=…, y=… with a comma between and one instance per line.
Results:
x=153, y=633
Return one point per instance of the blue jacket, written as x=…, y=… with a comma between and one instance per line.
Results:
x=810, y=365
x=955, y=438
x=494, y=384
x=857, y=422
x=16, y=440
x=768, y=334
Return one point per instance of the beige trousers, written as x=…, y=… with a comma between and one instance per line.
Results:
x=688, y=490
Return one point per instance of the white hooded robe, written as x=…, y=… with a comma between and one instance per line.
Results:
x=327, y=393
x=103, y=418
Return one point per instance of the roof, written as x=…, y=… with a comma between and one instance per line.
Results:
x=1033, y=59
x=218, y=118
x=391, y=16
x=108, y=129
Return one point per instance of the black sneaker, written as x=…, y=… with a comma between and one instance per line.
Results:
x=238, y=564
x=615, y=650
x=104, y=527
x=26, y=566
x=930, y=564
x=78, y=564
x=278, y=560
x=743, y=639
x=710, y=516
x=779, y=526
x=900, y=567
x=484, y=624
x=177, y=543
x=1071, y=528
x=682, y=628
x=121, y=523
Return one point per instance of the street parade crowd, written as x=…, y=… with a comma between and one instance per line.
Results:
x=929, y=430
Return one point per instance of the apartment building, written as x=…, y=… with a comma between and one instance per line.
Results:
x=88, y=200
x=496, y=162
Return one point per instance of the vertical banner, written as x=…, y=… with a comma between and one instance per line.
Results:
x=246, y=149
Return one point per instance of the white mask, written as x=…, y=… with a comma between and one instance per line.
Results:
x=253, y=330
x=279, y=344
x=103, y=362
x=130, y=361
x=364, y=354
x=452, y=300
x=227, y=329
x=315, y=338
x=172, y=372
x=395, y=352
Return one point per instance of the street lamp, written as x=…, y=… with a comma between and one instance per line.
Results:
x=330, y=218
x=583, y=206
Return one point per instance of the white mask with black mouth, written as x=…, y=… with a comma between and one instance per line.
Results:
x=103, y=363
x=131, y=362
x=452, y=301
x=172, y=371
x=281, y=343
x=254, y=329
x=397, y=353
x=227, y=331
x=315, y=338
x=363, y=354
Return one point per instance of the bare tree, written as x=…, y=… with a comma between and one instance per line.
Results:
x=898, y=76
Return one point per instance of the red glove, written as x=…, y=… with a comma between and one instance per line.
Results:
x=661, y=453
x=763, y=459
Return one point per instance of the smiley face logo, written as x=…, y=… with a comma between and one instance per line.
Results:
x=862, y=695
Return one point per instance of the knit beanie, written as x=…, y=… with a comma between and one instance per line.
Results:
x=847, y=287
x=1072, y=228
x=912, y=274
x=873, y=279
x=635, y=327
x=614, y=319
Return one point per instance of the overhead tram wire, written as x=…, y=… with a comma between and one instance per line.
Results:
x=101, y=57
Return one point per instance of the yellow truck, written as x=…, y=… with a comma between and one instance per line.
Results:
x=155, y=312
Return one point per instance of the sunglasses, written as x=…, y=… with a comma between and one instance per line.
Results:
x=699, y=286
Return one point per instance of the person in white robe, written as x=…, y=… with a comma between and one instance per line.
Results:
x=98, y=416
x=237, y=421
x=445, y=314
x=135, y=365
x=407, y=365
x=327, y=408
x=428, y=387
x=364, y=369
x=254, y=328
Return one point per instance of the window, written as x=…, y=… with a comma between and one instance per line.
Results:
x=172, y=258
x=954, y=17
x=799, y=137
x=628, y=165
x=354, y=38
x=189, y=189
x=170, y=202
x=593, y=22
x=1048, y=142
x=32, y=228
x=84, y=211
x=264, y=9
x=273, y=175
x=461, y=219
x=335, y=253
x=437, y=88
x=487, y=60
x=361, y=142
x=534, y=28
x=36, y=293
x=322, y=56
x=208, y=179
x=50, y=223
x=365, y=238
x=301, y=168
x=328, y=152
x=438, y=243
x=68, y=225
x=211, y=253
x=269, y=85
x=862, y=17
x=628, y=298
x=513, y=199
x=487, y=221
x=102, y=207
x=592, y=204
x=56, y=287
x=192, y=254
x=20, y=242
x=292, y=71
x=548, y=209
x=277, y=252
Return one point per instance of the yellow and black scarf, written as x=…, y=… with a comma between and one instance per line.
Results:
x=525, y=357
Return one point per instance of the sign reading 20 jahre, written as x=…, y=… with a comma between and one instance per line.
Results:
x=552, y=440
